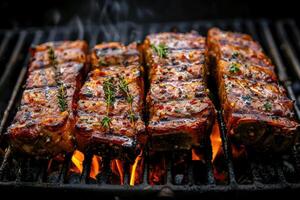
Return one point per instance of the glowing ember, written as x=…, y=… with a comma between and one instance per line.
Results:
x=157, y=170
x=238, y=152
x=220, y=176
x=55, y=163
x=133, y=175
x=117, y=169
x=216, y=140
x=49, y=165
x=77, y=160
x=196, y=155
x=95, y=166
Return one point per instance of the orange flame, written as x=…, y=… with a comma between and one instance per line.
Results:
x=77, y=160
x=134, y=174
x=117, y=168
x=95, y=166
x=216, y=140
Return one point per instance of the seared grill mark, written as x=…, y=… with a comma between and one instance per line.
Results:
x=120, y=125
x=40, y=127
x=178, y=98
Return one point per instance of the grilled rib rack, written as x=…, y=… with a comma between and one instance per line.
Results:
x=280, y=40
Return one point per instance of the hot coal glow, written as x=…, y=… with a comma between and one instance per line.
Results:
x=157, y=170
x=197, y=155
x=238, y=152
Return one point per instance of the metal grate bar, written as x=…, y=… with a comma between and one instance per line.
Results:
x=130, y=32
x=250, y=27
x=18, y=85
x=5, y=161
x=274, y=51
x=295, y=31
x=65, y=168
x=226, y=149
x=169, y=171
x=287, y=48
x=11, y=64
x=7, y=37
x=86, y=168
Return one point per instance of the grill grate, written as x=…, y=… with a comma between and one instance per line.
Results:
x=279, y=39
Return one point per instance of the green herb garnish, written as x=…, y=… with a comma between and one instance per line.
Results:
x=102, y=63
x=123, y=85
x=132, y=117
x=61, y=89
x=106, y=122
x=62, y=96
x=234, y=68
x=109, y=93
x=268, y=106
x=177, y=110
x=235, y=55
x=161, y=50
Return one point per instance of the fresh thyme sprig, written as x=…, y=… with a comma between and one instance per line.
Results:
x=109, y=93
x=123, y=85
x=62, y=96
x=61, y=91
x=160, y=49
x=106, y=122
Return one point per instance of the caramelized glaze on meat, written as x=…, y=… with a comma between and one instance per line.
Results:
x=125, y=132
x=41, y=127
x=255, y=106
x=180, y=112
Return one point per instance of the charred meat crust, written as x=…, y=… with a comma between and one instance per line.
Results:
x=180, y=112
x=44, y=123
x=255, y=106
x=112, y=118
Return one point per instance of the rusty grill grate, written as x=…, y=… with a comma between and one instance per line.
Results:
x=267, y=173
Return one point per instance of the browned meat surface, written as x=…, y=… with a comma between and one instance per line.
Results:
x=110, y=108
x=45, y=120
x=255, y=106
x=180, y=112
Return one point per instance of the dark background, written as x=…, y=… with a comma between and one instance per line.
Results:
x=17, y=14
